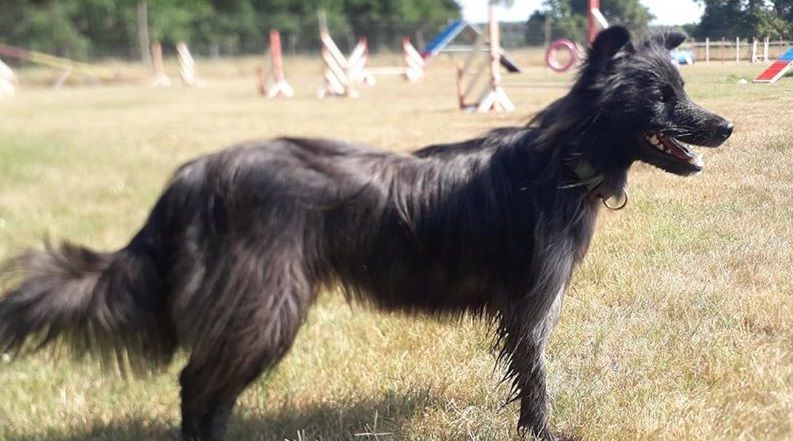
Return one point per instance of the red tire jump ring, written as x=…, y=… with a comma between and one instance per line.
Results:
x=558, y=45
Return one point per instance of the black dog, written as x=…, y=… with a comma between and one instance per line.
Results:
x=241, y=241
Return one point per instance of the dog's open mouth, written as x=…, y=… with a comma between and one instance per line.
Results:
x=672, y=147
x=672, y=154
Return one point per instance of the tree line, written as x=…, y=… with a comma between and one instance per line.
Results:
x=745, y=18
x=109, y=28
x=721, y=19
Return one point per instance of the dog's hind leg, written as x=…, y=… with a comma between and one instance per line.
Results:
x=255, y=332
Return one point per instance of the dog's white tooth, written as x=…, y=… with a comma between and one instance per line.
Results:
x=696, y=160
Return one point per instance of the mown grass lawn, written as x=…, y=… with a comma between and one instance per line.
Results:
x=678, y=326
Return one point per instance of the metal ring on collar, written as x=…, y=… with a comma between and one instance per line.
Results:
x=620, y=198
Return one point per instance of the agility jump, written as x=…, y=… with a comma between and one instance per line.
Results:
x=187, y=67
x=341, y=73
x=756, y=56
x=413, y=64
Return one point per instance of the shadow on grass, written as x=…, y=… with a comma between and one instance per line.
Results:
x=363, y=420
x=386, y=419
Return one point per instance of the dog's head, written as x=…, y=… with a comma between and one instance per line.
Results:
x=641, y=102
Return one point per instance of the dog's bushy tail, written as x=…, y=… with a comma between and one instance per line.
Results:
x=105, y=304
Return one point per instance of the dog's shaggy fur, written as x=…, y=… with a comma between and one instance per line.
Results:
x=241, y=241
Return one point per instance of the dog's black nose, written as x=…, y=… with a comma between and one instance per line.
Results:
x=726, y=129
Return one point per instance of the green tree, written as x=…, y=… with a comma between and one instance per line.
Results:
x=569, y=18
x=745, y=18
x=93, y=28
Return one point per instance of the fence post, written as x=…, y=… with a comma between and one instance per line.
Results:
x=737, y=50
x=722, y=54
x=765, y=50
x=707, y=50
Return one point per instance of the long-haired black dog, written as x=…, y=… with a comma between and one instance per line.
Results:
x=238, y=245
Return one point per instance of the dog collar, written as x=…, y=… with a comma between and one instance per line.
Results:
x=592, y=180
x=588, y=175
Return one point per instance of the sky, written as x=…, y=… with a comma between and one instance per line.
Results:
x=667, y=12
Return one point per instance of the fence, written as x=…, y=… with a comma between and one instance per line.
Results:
x=300, y=35
x=736, y=50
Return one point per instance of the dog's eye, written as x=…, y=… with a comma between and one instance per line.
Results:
x=667, y=94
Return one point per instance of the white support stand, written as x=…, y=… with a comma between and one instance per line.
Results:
x=8, y=81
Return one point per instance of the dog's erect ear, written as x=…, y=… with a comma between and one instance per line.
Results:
x=609, y=41
x=669, y=40
x=674, y=39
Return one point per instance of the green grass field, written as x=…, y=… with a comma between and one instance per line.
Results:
x=678, y=326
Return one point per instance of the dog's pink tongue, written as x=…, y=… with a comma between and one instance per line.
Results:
x=675, y=148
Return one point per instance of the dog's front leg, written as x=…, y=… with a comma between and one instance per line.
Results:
x=524, y=347
x=528, y=366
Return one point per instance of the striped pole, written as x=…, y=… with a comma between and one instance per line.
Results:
x=414, y=62
x=336, y=70
x=280, y=87
x=187, y=66
x=597, y=20
x=357, y=63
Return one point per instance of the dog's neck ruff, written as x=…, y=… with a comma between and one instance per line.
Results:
x=613, y=199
